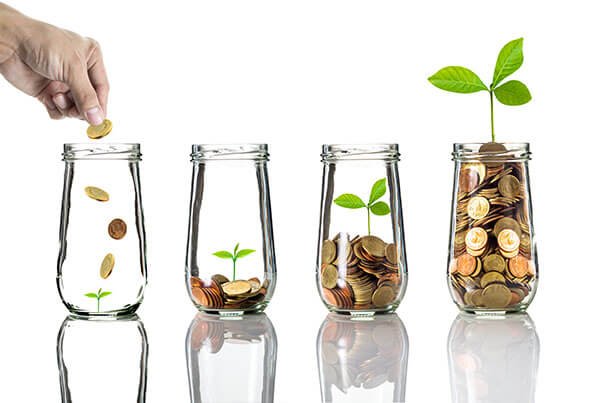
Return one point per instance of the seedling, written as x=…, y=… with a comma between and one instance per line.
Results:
x=237, y=254
x=462, y=80
x=352, y=201
x=98, y=296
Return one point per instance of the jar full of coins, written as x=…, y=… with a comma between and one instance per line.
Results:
x=361, y=259
x=230, y=265
x=102, y=257
x=492, y=265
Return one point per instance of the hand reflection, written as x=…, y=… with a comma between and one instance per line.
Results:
x=102, y=360
x=231, y=359
x=362, y=360
x=493, y=359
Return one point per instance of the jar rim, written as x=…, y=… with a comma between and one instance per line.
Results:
x=230, y=152
x=511, y=152
x=101, y=151
x=375, y=151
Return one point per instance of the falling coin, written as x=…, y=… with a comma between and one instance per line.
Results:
x=96, y=193
x=117, y=228
x=478, y=207
x=106, y=268
x=99, y=131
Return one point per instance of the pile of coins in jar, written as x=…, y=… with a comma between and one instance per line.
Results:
x=492, y=265
x=359, y=273
x=220, y=293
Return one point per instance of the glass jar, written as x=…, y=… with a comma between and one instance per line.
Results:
x=102, y=360
x=361, y=259
x=230, y=265
x=362, y=360
x=231, y=359
x=493, y=359
x=102, y=258
x=492, y=263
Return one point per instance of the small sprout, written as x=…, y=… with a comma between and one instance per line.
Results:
x=98, y=296
x=237, y=254
x=351, y=201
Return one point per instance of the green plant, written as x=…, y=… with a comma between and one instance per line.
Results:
x=351, y=201
x=98, y=296
x=462, y=80
x=237, y=254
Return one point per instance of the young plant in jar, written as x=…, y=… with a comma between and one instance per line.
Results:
x=492, y=263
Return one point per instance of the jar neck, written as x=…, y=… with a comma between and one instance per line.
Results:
x=491, y=152
x=359, y=152
x=114, y=151
x=230, y=152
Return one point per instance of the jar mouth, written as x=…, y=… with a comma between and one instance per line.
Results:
x=497, y=152
x=105, y=151
x=230, y=152
x=354, y=152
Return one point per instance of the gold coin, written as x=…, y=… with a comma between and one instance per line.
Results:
x=507, y=223
x=496, y=296
x=476, y=253
x=494, y=262
x=391, y=253
x=236, y=287
x=509, y=186
x=99, y=131
x=96, y=193
x=117, y=228
x=477, y=268
x=373, y=245
x=509, y=255
x=477, y=297
x=328, y=251
x=107, y=266
x=329, y=276
x=492, y=154
x=508, y=240
x=476, y=238
x=478, y=207
x=492, y=277
x=383, y=296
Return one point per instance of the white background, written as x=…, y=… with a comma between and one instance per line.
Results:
x=296, y=74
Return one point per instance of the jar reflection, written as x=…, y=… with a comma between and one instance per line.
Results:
x=493, y=359
x=362, y=359
x=102, y=360
x=231, y=359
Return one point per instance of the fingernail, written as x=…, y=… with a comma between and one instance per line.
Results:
x=60, y=100
x=94, y=116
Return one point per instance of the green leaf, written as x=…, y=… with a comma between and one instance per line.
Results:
x=91, y=295
x=457, y=79
x=509, y=60
x=348, y=200
x=236, y=248
x=223, y=254
x=380, y=208
x=244, y=252
x=513, y=93
x=377, y=191
x=104, y=294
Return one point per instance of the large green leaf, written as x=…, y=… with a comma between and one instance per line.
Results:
x=509, y=60
x=513, y=93
x=349, y=200
x=378, y=190
x=380, y=208
x=244, y=252
x=223, y=254
x=457, y=79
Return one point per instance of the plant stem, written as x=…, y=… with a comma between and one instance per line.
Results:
x=492, y=115
x=233, y=269
x=98, y=299
x=369, y=220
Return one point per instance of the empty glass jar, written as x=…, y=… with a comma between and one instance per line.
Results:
x=230, y=254
x=492, y=263
x=362, y=360
x=361, y=260
x=231, y=360
x=102, y=258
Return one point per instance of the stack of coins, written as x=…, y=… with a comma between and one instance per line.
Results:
x=359, y=273
x=492, y=265
x=220, y=293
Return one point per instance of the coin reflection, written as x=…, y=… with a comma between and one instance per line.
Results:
x=231, y=359
x=362, y=359
x=493, y=359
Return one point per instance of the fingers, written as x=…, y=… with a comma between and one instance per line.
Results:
x=84, y=95
x=98, y=76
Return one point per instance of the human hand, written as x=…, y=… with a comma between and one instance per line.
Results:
x=60, y=68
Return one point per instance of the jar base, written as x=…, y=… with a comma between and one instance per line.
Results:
x=233, y=312
x=494, y=312
x=118, y=314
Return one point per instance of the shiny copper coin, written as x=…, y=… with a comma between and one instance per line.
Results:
x=518, y=266
x=476, y=238
x=515, y=298
x=466, y=264
x=509, y=186
x=117, y=229
x=468, y=179
x=196, y=282
x=200, y=296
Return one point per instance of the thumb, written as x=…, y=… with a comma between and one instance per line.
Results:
x=85, y=97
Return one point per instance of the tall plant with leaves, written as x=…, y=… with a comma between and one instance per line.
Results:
x=380, y=208
x=237, y=254
x=462, y=80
